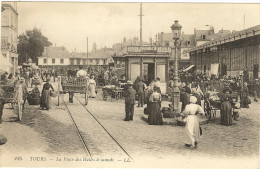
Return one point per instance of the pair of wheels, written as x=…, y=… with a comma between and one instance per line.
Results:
x=18, y=109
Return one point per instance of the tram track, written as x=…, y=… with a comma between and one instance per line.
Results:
x=77, y=129
x=98, y=142
x=105, y=129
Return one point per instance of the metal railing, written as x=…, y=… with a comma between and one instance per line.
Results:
x=148, y=49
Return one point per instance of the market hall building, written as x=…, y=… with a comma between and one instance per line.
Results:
x=229, y=55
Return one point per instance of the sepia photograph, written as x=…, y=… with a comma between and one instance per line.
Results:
x=87, y=84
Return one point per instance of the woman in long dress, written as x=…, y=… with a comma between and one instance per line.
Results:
x=155, y=116
x=92, y=87
x=226, y=109
x=192, y=121
x=46, y=95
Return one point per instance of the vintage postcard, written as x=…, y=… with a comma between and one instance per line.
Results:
x=129, y=85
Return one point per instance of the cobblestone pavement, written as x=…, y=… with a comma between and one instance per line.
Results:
x=100, y=144
x=241, y=140
x=51, y=133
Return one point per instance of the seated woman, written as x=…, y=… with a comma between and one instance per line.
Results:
x=192, y=121
x=46, y=95
x=155, y=116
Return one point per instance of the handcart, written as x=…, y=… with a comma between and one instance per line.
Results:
x=9, y=97
x=75, y=85
x=113, y=92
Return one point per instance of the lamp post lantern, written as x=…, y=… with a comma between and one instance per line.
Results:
x=176, y=30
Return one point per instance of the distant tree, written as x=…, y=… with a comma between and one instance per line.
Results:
x=31, y=44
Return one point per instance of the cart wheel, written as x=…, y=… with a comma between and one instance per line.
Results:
x=20, y=111
x=205, y=107
x=86, y=98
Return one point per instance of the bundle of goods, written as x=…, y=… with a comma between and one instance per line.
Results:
x=147, y=110
x=34, y=97
x=36, y=81
x=213, y=96
x=168, y=112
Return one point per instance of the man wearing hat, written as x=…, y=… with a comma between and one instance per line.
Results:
x=140, y=86
x=129, y=101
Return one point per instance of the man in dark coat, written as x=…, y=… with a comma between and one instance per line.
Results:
x=129, y=101
x=185, y=98
x=2, y=102
x=140, y=91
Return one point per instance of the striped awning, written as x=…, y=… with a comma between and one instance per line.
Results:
x=188, y=68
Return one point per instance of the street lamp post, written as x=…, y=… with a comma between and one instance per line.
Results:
x=176, y=30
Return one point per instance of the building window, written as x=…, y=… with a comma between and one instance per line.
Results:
x=72, y=61
x=61, y=61
x=203, y=37
x=167, y=43
x=84, y=61
x=90, y=60
x=44, y=61
x=53, y=61
x=188, y=42
x=78, y=61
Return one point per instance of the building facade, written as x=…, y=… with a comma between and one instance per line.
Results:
x=230, y=54
x=9, y=34
x=188, y=41
x=60, y=57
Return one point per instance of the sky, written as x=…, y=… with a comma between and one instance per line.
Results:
x=69, y=24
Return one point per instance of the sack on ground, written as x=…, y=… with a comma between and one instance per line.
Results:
x=146, y=110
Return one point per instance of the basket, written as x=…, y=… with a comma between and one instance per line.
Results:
x=34, y=101
x=181, y=121
x=54, y=94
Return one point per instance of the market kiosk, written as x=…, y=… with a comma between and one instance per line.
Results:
x=148, y=62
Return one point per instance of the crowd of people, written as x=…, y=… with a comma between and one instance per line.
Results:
x=193, y=89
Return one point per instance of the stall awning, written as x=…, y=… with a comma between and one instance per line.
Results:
x=188, y=68
x=214, y=69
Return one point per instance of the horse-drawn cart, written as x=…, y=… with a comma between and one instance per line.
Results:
x=75, y=85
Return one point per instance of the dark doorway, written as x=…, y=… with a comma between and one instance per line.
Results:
x=148, y=72
x=205, y=69
x=224, y=70
x=255, y=71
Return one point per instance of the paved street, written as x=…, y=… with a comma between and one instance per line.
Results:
x=51, y=134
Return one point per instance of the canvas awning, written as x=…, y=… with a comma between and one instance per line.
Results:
x=188, y=68
x=214, y=69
